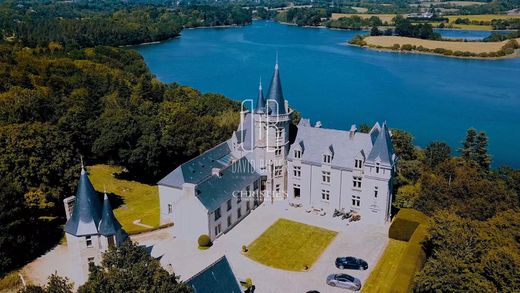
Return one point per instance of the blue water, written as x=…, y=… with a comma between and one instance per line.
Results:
x=435, y=98
x=466, y=34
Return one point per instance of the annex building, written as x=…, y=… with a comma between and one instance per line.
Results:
x=269, y=159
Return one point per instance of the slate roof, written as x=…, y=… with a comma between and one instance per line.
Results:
x=275, y=99
x=86, y=214
x=108, y=225
x=199, y=168
x=260, y=101
x=383, y=149
x=318, y=141
x=216, y=278
x=218, y=189
x=245, y=132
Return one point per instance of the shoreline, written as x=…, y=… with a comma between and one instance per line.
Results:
x=516, y=54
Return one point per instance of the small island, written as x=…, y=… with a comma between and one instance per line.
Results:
x=421, y=38
x=449, y=48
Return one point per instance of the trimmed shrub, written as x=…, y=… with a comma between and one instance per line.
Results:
x=244, y=248
x=402, y=229
x=396, y=47
x=204, y=241
x=406, y=47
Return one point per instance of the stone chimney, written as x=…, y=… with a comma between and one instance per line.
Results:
x=352, y=131
x=216, y=171
x=318, y=124
x=68, y=203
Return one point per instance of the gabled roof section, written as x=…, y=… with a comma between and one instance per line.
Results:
x=275, y=99
x=383, y=148
x=199, y=168
x=337, y=142
x=86, y=214
x=246, y=132
x=216, y=278
x=217, y=189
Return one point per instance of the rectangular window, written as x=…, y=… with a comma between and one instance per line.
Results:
x=325, y=194
x=279, y=132
x=239, y=198
x=325, y=176
x=327, y=159
x=358, y=164
x=217, y=214
x=229, y=204
x=278, y=171
x=356, y=200
x=278, y=151
x=377, y=167
x=239, y=213
x=229, y=221
x=111, y=241
x=297, y=171
x=88, y=240
x=255, y=185
x=297, y=190
x=357, y=182
x=247, y=206
x=297, y=154
x=170, y=208
x=375, y=191
x=218, y=229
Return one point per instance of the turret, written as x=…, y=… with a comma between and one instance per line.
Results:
x=275, y=99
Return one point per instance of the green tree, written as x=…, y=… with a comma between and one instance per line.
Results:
x=55, y=284
x=482, y=157
x=129, y=268
x=403, y=145
x=468, y=145
x=436, y=153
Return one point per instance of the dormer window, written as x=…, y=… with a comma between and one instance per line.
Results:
x=358, y=164
x=298, y=154
x=327, y=158
x=377, y=167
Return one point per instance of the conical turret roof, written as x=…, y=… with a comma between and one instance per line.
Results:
x=383, y=148
x=86, y=215
x=109, y=225
x=275, y=100
x=260, y=101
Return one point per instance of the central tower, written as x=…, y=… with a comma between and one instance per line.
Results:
x=272, y=118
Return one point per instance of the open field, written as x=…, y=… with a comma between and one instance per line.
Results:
x=290, y=245
x=396, y=268
x=482, y=17
x=384, y=17
x=473, y=47
x=138, y=200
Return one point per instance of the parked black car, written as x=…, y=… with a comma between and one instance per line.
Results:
x=350, y=262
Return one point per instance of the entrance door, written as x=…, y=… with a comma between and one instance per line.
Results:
x=297, y=192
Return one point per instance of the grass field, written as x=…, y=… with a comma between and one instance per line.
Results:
x=395, y=270
x=139, y=201
x=482, y=17
x=380, y=279
x=474, y=47
x=290, y=245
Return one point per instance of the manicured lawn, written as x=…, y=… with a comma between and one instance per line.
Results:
x=382, y=276
x=395, y=270
x=290, y=245
x=137, y=200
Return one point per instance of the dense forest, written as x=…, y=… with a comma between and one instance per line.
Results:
x=473, y=243
x=64, y=95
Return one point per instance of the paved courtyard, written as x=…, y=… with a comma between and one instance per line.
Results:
x=356, y=239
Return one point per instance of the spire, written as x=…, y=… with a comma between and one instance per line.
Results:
x=275, y=100
x=108, y=225
x=86, y=213
x=260, y=101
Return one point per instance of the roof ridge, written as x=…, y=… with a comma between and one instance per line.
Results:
x=207, y=268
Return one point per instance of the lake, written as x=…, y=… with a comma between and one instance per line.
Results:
x=435, y=98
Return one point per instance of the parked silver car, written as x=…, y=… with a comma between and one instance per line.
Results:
x=344, y=281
